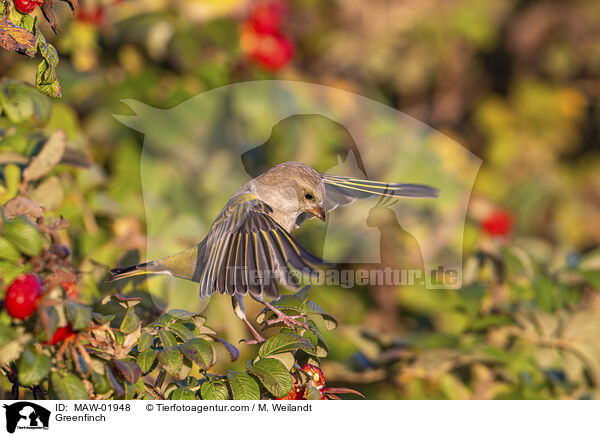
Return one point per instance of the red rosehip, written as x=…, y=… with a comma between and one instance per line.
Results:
x=92, y=16
x=27, y=6
x=22, y=296
x=315, y=374
x=61, y=334
x=297, y=393
x=499, y=223
x=270, y=51
x=266, y=17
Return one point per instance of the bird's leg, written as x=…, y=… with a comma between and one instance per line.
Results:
x=238, y=307
x=258, y=339
x=288, y=320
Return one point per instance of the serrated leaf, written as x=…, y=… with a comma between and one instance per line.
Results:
x=15, y=38
x=127, y=369
x=181, y=330
x=45, y=78
x=243, y=386
x=79, y=315
x=274, y=376
x=146, y=360
x=130, y=322
x=182, y=394
x=33, y=367
x=200, y=352
x=214, y=389
x=282, y=343
x=145, y=342
x=167, y=339
x=68, y=387
x=48, y=157
x=171, y=361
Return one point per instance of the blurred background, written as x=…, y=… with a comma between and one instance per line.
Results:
x=514, y=82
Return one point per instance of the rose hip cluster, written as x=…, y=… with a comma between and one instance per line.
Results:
x=261, y=37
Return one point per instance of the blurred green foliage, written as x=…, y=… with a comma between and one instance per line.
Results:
x=516, y=82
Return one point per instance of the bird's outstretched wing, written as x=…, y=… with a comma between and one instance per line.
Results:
x=341, y=191
x=248, y=251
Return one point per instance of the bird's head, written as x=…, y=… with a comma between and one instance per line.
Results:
x=294, y=187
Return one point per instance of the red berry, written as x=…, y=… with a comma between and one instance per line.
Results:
x=93, y=16
x=316, y=375
x=270, y=51
x=498, y=223
x=26, y=6
x=266, y=17
x=22, y=296
x=297, y=393
x=61, y=334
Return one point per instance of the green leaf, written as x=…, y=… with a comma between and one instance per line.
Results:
x=167, y=339
x=50, y=155
x=214, y=389
x=33, y=367
x=244, y=386
x=100, y=382
x=45, y=78
x=8, y=251
x=146, y=360
x=7, y=334
x=23, y=235
x=115, y=384
x=200, y=352
x=130, y=322
x=282, y=343
x=593, y=277
x=145, y=342
x=182, y=394
x=12, y=177
x=181, y=330
x=78, y=315
x=68, y=387
x=22, y=102
x=274, y=376
x=181, y=314
x=171, y=360
x=128, y=369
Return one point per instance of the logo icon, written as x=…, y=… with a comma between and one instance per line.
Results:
x=26, y=415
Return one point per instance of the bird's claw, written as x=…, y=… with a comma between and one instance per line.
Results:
x=253, y=341
x=289, y=320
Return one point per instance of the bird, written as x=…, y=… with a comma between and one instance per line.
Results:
x=249, y=249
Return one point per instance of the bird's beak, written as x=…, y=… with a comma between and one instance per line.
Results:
x=318, y=211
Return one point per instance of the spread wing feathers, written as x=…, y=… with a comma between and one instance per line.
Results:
x=341, y=191
x=248, y=251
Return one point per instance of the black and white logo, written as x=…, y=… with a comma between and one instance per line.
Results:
x=26, y=415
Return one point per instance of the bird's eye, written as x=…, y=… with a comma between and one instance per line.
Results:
x=308, y=196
